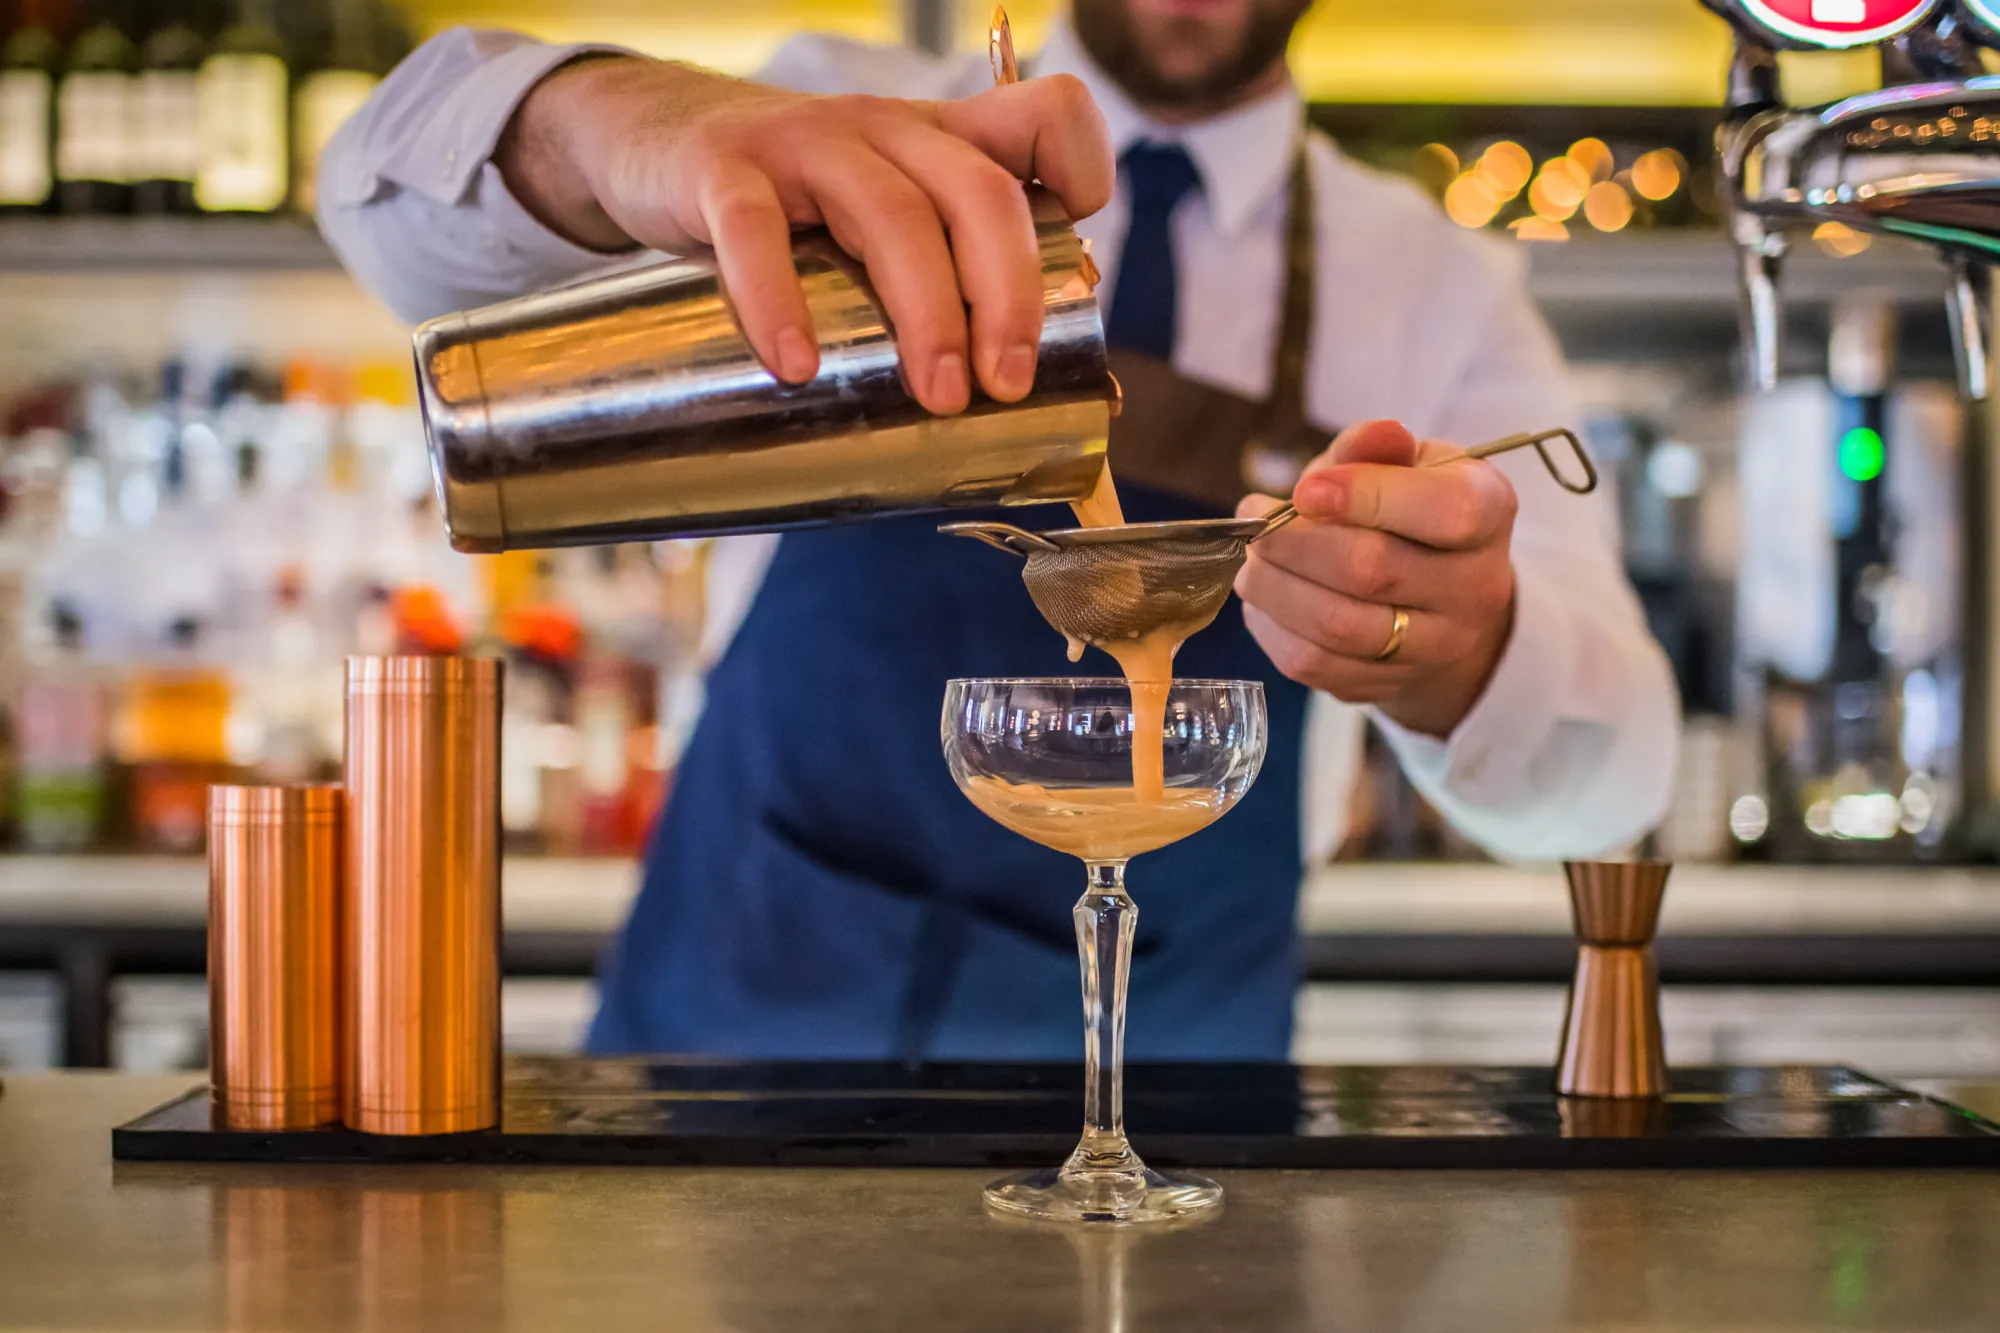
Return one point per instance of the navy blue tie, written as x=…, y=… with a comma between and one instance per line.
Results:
x=1157, y=177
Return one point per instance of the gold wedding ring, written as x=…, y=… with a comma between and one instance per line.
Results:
x=1397, y=633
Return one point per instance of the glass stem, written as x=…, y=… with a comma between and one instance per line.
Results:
x=1106, y=917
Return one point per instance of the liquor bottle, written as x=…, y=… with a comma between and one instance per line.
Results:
x=244, y=110
x=331, y=93
x=172, y=731
x=94, y=115
x=62, y=716
x=168, y=138
x=30, y=63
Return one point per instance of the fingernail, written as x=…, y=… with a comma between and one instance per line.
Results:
x=798, y=359
x=1323, y=496
x=948, y=383
x=1016, y=371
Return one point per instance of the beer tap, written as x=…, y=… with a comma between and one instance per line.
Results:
x=1920, y=159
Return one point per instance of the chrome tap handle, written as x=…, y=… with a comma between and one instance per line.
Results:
x=1969, y=301
x=1753, y=81
x=1763, y=307
x=1754, y=96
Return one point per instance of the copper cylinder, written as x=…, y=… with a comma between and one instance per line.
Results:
x=423, y=904
x=274, y=974
x=1612, y=1042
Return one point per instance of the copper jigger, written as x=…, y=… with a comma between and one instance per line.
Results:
x=1611, y=1043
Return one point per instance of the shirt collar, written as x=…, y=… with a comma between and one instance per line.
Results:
x=1244, y=155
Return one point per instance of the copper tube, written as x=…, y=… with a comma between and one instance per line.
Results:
x=1612, y=1045
x=422, y=926
x=274, y=890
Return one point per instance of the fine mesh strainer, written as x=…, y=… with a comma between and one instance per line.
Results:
x=1102, y=585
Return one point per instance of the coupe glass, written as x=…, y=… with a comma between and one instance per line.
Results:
x=1052, y=760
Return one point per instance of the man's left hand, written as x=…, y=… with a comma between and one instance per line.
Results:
x=1379, y=530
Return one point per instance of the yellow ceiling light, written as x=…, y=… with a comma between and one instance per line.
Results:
x=1656, y=175
x=1469, y=202
x=1594, y=156
x=1506, y=167
x=1840, y=240
x=1607, y=207
x=1538, y=229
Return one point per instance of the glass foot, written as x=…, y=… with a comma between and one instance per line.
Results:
x=1146, y=1195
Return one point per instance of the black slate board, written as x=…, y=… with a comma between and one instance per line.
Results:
x=693, y=1112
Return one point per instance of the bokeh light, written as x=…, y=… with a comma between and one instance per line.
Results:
x=1506, y=167
x=1608, y=207
x=1539, y=229
x=1840, y=240
x=1436, y=166
x=1547, y=208
x=1470, y=201
x=1563, y=182
x=1656, y=175
x=1595, y=157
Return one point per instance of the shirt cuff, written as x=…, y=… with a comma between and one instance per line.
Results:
x=1488, y=760
x=456, y=143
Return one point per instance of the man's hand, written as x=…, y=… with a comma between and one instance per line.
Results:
x=928, y=195
x=1379, y=531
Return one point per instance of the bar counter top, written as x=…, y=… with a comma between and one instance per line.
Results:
x=84, y=1244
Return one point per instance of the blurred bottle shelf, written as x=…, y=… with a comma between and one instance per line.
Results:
x=163, y=245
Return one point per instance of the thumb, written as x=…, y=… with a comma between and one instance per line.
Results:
x=1321, y=491
x=1376, y=442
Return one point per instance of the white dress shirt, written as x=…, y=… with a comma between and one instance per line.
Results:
x=1569, y=753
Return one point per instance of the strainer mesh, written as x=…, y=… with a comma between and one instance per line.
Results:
x=1102, y=592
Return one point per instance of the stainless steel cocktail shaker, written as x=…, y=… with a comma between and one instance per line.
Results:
x=630, y=407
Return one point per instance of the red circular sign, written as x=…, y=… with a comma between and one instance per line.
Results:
x=1838, y=23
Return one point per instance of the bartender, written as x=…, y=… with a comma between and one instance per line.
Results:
x=817, y=887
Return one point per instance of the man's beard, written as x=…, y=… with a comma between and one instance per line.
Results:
x=1110, y=36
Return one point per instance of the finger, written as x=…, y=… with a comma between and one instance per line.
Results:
x=1044, y=129
x=878, y=215
x=1375, y=442
x=1376, y=566
x=1255, y=506
x=1454, y=507
x=753, y=249
x=1300, y=659
x=1345, y=626
x=993, y=245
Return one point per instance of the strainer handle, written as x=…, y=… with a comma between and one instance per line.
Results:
x=1538, y=438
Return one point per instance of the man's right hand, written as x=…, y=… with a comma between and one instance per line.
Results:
x=616, y=152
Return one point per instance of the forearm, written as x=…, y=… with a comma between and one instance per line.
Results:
x=411, y=200
x=553, y=150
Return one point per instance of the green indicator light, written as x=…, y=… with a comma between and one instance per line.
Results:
x=1861, y=454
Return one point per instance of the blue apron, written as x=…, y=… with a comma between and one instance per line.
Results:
x=818, y=887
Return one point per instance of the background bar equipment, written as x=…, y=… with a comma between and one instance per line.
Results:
x=274, y=894
x=422, y=924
